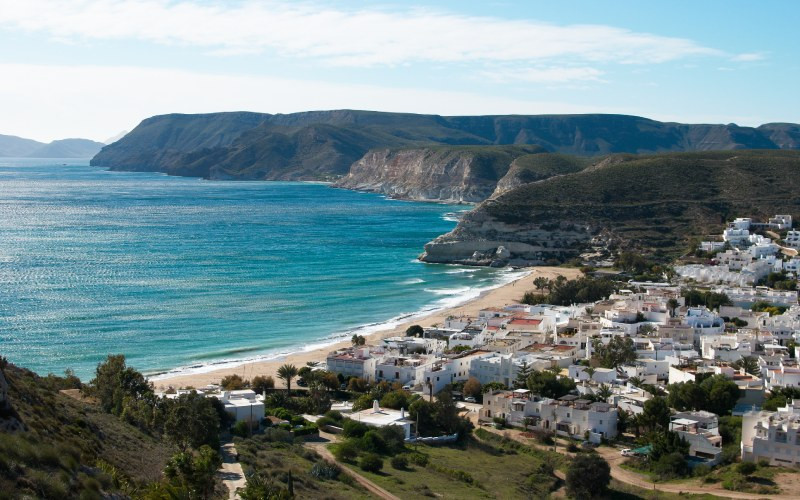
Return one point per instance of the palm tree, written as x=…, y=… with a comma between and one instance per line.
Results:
x=604, y=393
x=635, y=381
x=287, y=373
x=750, y=365
x=672, y=304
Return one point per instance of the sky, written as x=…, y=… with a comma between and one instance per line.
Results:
x=94, y=68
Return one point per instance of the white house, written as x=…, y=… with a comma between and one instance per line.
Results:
x=244, y=405
x=384, y=417
x=772, y=436
x=355, y=362
x=566, y=416
x=792, y=239
x=701, y=430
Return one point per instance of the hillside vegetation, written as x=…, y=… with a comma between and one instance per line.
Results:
x=656, y=204
x=660, y=201
x=68, y=448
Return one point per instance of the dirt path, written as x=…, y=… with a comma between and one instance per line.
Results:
x=321, y=447
x=614, y=459
x=231, y=472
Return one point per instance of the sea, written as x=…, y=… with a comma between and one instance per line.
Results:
x=186, y=275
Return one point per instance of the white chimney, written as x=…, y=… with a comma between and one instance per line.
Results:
x=375, y=406
x=402, y=412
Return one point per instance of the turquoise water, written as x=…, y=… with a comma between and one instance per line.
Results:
x=181, y=273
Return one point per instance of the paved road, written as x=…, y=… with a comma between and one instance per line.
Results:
x=231, y=472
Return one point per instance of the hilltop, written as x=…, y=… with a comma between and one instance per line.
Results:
x=18, y=147
x=654, y=204
x=324, y=144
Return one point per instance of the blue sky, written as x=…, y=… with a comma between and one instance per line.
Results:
x=91, y=68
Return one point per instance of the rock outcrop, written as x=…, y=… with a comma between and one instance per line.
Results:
x=439, y=173
x=482, y=240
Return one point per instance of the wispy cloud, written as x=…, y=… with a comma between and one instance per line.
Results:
x=748, y=57
x=544, y=75
x=350, y=38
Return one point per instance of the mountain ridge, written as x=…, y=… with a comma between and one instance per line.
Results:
x=12, y=146
x=322, y=145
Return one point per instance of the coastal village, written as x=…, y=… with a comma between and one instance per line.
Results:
x=675, y=373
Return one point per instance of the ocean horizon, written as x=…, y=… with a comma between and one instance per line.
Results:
x=185, y=275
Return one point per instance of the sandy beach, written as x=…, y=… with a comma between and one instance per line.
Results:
x=498, y=297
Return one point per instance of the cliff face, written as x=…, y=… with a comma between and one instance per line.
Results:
x=655, y=204
x=483, y=240
x=323, y=144
x=451, y=173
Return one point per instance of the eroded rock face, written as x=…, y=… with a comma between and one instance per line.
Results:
x=481, y=240
x=425, y=174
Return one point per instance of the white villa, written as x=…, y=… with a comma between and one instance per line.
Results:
x=772, y=436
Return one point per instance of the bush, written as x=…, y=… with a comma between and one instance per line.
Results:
x=346, y=451
x=588, y=476
x=763, y=462
x=325, y=470
x=323, y=422
x=670, y=466
x=352, y=428
x=746, y=468
x=234, y=383
x=241, y=429
x=572, y=448
x=334, y=415
x=297, y=420
x=399, y=462
x=372, y=442
x=307, y=430
x=371, y=463
x=417, y=458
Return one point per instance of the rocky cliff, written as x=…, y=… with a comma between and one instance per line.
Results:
x=653, y=204
x=436, y=173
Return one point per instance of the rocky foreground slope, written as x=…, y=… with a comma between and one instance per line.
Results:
x=324, y=144
x=655, y=204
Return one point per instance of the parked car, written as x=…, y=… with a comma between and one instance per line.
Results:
x=627, y=452
x=588, y=444
x=408, y=387
x=470, y=399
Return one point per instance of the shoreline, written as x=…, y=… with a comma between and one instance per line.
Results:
x=317, y=351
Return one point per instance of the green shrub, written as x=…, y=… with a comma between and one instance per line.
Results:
x=352, y=428
x=325, y=470
x=297, y=420
x=399, y=462
x=417, y=458
x=372, y=442
x=371, y=463
x=307, y=430
x=746, y=468
x=323, y=422
x=334, y=415
x=346, y=451
x=763, y=462
x=572, y=448
x=241, y=429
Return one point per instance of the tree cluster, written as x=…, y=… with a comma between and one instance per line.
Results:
x=717, y=394
x=619, y=351
x=565, y=292
x=712, y=300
